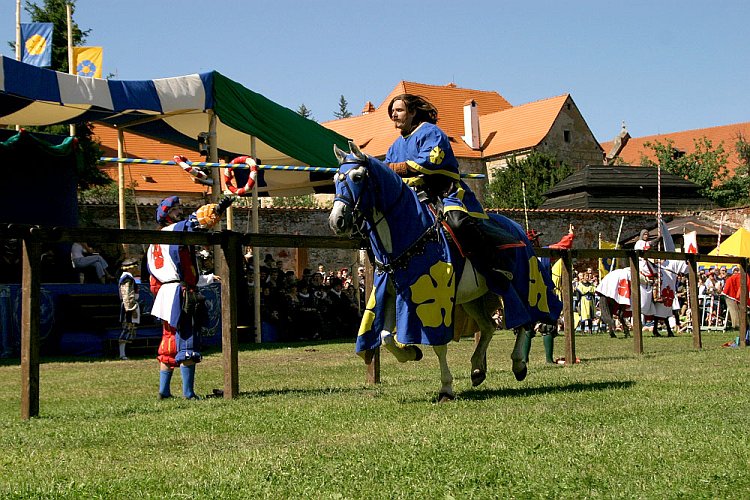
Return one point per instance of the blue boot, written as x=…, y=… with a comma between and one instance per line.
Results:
x=165, y=380
x=188, y=381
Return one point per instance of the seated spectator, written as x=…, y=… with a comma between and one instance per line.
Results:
x=83, y=256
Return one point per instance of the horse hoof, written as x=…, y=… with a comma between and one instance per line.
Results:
x=417, y=353
x=477, y=377
x=520, y=371
x=444, y=397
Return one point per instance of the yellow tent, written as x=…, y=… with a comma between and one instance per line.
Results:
x=737, y=245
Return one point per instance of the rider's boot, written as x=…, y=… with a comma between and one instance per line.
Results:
x=490, y=248
x=402, y=352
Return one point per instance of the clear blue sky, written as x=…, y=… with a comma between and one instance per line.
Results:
x=661, y=66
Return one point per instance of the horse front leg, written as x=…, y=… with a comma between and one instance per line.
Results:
x=520, y=354
x=446, y=378
x=477, y=310
x=402, y=352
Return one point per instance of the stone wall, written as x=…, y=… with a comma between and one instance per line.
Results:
x=553, y=225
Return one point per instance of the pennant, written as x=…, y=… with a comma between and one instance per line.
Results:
x=36, y=44
x=607, y=263
x=668, y=242
x=87, y=61
x=690, y=242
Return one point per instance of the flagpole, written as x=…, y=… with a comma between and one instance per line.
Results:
x=617, y=242
x=18, y=30
x=525, y=210
x=18, y=38
x=69, y=13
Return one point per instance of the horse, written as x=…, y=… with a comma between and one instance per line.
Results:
x=420, y=278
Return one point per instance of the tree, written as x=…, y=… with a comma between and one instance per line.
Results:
x=343, y=112
x=705, y=165
x=304, y=112
x=537, y=173
x=54, y=11
x=736, y=190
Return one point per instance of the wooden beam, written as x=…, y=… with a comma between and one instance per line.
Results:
x=231, y=256
x=695, y=317
x=30, y=300
x=635, y=301
x=566, y=281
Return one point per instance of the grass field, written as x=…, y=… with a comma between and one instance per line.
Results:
x=672, y=423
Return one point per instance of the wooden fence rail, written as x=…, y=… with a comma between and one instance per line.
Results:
x=230, y=245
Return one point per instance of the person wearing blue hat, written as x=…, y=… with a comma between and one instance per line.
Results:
x=174, y=282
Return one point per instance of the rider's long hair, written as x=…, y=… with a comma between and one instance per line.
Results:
x=425, y=111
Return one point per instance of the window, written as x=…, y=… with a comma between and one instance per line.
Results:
x=566, y=135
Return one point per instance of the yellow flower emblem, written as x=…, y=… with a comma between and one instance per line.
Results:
x=36, y=44
x=437, y=155
x=368, y=317
x=537, y=287
x=434, y=294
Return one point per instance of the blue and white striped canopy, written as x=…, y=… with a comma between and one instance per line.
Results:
x=175, y=110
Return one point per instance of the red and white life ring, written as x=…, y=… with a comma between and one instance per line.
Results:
x=200, y=176
x=229, y=176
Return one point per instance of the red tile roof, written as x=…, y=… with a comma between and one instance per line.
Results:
x=726, y=134
x=521, y=127
x=374, y=132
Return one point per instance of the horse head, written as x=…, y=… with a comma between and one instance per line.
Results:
x=350, y=182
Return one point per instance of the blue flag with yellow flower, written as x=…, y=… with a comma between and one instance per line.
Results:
x=36, y=44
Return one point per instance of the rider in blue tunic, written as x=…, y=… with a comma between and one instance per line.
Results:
x=423, y=155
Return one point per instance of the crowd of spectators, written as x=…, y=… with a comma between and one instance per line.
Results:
x=318, y=305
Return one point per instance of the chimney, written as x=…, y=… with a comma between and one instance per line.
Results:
x=471, y=125
x=617, y=145
x=369, y=108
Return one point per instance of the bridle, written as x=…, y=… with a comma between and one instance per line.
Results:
x=359, y=218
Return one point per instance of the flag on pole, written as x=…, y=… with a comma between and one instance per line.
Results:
x=606, y=263
x=87, y=61
x=36, y=44
x=690, y=242
x=668, y=242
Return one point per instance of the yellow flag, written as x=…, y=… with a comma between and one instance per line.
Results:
x=87, y=61
x=605, y=265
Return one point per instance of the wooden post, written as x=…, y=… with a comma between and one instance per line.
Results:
x=566, y=281
x=231, y=246
x=743, y=301
x=372, y=356
x=635, y=301
x=30, y=302
x=695, y=317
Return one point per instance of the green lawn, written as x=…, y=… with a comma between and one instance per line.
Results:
x=672, y=423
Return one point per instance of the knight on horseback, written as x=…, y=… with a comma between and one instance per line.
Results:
x=424, y=157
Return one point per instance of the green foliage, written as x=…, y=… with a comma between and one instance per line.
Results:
x=665, y=424
x=343, y=112
x=707, y=167
x=304, y=112
x=54, y=11
x=537, y=171
x=306, y=201
x=106, y=194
